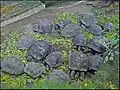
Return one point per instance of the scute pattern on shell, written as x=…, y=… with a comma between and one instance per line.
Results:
x=95, y=62
x=70, y=30
x=79, y=40
x=12, y=65
x=54, y=59
x=38, y=51
x=58, y=76
x=97, y=46
x=78, y=61
x=43, y=27
x=95, y=29
x=33, y=69
x=25, y=42
x=88, y=20
x=62, y=24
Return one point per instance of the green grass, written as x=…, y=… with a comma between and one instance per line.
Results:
x=44, y=84
x=105, y=78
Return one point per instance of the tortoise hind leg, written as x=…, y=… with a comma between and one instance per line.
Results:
x=78, y=48
x=48, y=67
x=72, y=74
x=82, y=76
x=77, y=74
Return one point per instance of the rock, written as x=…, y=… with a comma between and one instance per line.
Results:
x=58, y=76
x=25, y=42
x=44, y=26
x=33, y=69
x=12, y=65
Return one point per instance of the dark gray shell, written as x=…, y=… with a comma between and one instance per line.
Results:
x=108, y=26
x=95, y=29
x=95, y=62
x=38, y=51
x=55, y=48
x=79, y=40
x=44, y=26
x=96, y=46
x=59, y=76
x=62, y=24
x=54, y=59
x=88, y=20
x=25, y=42
x=70, y=30
x=78, y=61
x=33, y=69
x=12, y=65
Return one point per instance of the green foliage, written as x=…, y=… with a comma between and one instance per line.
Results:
x=114, y=34
x=13, y=82
x=44, y=84
x=10, y=47
x=88, y=35
x=67, y=16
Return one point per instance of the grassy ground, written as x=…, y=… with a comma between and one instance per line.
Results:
x=105, y=78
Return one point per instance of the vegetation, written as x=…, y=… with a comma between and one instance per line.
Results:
x=67, y=16
x=105, y=78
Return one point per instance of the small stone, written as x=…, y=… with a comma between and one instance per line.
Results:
x=96, y=44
